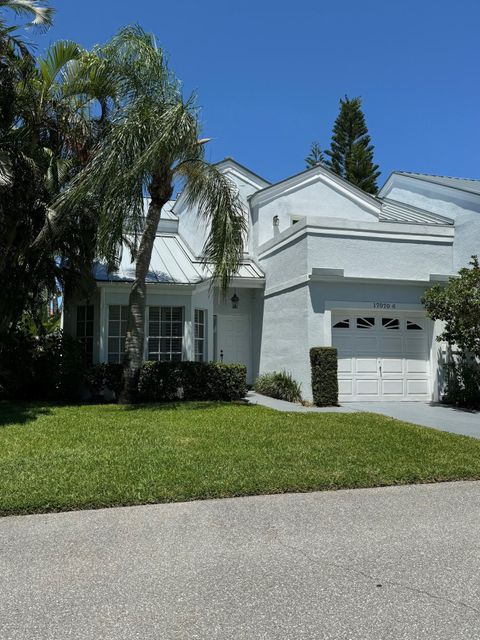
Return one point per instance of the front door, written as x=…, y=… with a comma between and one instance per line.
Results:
x=233, y=340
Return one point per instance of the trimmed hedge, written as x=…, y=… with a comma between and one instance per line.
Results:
x=167, y=381
x=323, y=361
x=102, y=376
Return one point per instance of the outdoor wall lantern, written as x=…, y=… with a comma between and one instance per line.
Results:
x=235, y=300
x=276, y=221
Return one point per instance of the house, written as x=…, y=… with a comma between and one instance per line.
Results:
x=324, y=264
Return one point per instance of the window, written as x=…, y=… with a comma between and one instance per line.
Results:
x=165, y=333
x=200, y=334
x=342, y=324
x=390, y=323
x=413, y=326
x=85, y=330
x=365, y=323
x=117, y=330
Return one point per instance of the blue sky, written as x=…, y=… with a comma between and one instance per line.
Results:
x=269, y=74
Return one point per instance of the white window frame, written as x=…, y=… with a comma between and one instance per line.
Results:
x=116, y=356
x=83, y=335
x=170, y=354
x=200, y=355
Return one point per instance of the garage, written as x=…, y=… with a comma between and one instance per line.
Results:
x=382, y=356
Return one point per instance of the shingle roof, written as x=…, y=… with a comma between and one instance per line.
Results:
x=394, y=211
x=464, y=184
x=171, y=263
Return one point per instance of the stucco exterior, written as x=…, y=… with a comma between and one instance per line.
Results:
x=317, y=249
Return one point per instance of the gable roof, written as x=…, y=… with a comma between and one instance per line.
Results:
x=318, y=170
x=463, y=184
x=258, y=180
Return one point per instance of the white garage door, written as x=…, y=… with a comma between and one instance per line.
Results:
x=381, y=356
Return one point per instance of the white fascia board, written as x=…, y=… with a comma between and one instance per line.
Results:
x=393, y=231
x=311, y=176
x=231, y=166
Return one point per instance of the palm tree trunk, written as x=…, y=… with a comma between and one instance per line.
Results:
x=160, y=190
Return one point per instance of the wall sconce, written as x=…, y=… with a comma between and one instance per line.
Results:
x=235, y=300
x=276, y=221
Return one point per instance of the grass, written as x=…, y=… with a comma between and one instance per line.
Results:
x=55, y=458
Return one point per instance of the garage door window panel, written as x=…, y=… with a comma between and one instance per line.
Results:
x=365, y=323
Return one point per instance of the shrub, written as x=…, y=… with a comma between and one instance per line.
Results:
x=166, y=381
x=463, y=383
x=46, y=367
x=323, y=361
x=279, y=385
x=102, y=377
x=160, y=381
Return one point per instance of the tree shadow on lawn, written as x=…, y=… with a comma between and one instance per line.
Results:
x=19, y=413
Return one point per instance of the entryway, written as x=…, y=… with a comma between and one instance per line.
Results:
x=234, y=341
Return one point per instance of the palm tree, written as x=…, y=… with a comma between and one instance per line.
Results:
x=152, y=145
x=41, y=17
x=48, y=128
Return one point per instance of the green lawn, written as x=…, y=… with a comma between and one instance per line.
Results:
x=73, y=457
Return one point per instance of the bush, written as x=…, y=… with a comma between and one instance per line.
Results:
x=463, y=383
x=323, y=361
x=166, y=381
x=102, y=378
x=49, y=367
x=279, y=385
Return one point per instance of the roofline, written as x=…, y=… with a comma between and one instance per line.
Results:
x=411, y=207
x=370, y=199
x=242, y=166
x=425, y=177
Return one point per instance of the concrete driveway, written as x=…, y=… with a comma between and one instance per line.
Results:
x=392, y=563
x=440, y=416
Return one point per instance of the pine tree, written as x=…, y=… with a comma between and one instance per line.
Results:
x=315, y=156
x=351, y=151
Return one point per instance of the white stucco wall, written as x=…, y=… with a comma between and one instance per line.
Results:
x=399, y=252
x=461, y=207
x=315, y=199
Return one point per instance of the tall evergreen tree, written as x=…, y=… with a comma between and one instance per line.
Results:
x=315, y=156
x=351, y=151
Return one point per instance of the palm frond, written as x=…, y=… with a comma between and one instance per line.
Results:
x=217, y=200
x=6, y=170
x=41, y=15
x=58, y=56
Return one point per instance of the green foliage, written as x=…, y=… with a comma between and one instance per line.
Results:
x=279, y=385
x=458, y=305
x=47, y=367
x=315, y=156
x=103, y=376
x=323, y=361
x=463, y=383
x=351, y=151
x=47, y=130
x=166, y=381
